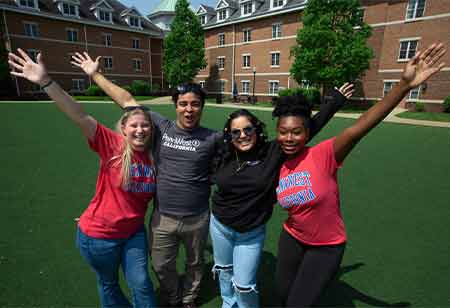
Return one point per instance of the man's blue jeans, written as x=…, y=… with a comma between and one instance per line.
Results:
x=106, y=255
x=236, y=260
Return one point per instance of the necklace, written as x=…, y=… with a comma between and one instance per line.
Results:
x=240, y=166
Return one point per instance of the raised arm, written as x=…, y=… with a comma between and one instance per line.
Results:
x=121, y=96
x=332, y=102
x=417, y=70
x=36, y=72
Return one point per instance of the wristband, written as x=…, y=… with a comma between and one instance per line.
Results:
x=47, y=84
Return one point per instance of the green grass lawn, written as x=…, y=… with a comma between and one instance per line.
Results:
x=430, y=116
x=394, y=195
x=107, y=98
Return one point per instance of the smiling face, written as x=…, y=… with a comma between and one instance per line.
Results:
x=137, y=131
x=292, y=135
x=189, y=110
x=243, y=134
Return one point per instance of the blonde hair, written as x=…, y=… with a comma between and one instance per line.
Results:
x=124, y=158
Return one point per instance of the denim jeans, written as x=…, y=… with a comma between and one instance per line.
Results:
x=106, y=255
x=236, y=261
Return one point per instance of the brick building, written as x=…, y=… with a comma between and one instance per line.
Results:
x=130, y=45
x=248, y=45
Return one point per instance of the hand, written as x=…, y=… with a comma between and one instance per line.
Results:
x=27, y=68
x=346, y=89
x=423, y=65
x=85, y=62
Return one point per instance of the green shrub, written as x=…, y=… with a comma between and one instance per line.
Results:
x=156, y=87
x=94, y=90
x=420, y=107
x=447, y=104
x=140, y=87
x=312, y=94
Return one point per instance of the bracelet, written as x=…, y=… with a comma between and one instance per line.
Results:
x=47, y=84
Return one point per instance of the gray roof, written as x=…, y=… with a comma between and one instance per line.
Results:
x=49, y=7
x=261, y=8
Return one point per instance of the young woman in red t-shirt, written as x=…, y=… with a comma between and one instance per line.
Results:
x=111, y=230
x=313, y=239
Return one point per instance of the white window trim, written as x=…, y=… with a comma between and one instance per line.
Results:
x=32, y=24
x=104, y=35
x=73, y=30
x=386, y=81
x=97, y=14
x=112, y=63
x=36, y=5
x=281, y=32
x=279, y=58
x=415, y=12
x=244, y=55
x=277, y=7
x=243, y=35
x=407, y=40
x=137, y=60
x=61, y=8
x=243, y=3
x=78, y=80
x=242, y=87
x=226, y=15
x=201, y=19
x=270, y=88
x=128, y=21
x=217, y=61
x=218, y=39
x=132, y=42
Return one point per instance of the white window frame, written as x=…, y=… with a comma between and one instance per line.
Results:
x=247, y=35
x=133, y=43
x=243, y=88
x=408, y=48
x=220, y=63
x=277, y=59
x=414, y=9
x=414, y=94
x=244, y=57
x=132, y=24
x=221, y=39
x=70, y=32
x=391, y=83
x=104, y=12
x=202, y=83
x=278, y=5
x=220, y=13
x=106, y=61
x=69, y=4
x=35, y=4
x=276, y=29
x=203, y=19
x=33, y=29
x=106, y=42
x=245, y=5
x=137, y=64
x=78, y=82
x=274, y=90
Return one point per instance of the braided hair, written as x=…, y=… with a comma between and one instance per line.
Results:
x=295, y=105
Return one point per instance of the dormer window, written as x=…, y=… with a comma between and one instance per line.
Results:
x=104, y=16
x=134, y=21
x=68, y=8
x=32, y=4
x=246, y=8
x=276, y=4
x=103, y=11
x=222, y=15
x=203, y=19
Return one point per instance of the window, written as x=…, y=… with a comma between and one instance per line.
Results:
x=137, y=65
x=407, y=49
x=414, y=93
x=202, y=83
x=32, y=53
x=135, y=43
x=221, y=39
x=245, y=84
x=107, y=39
x=69, y=9
x=31, y=29
x=415, y=9
x=245, y=61
x=134, y=22
x=78, y=84
x=361, y=12
x=277, y=3
x=246, y=8
x=247, y=35
x=275, y=58
x=273, y=86
x=221, y=63
x=28, y=3
x=108, y=62
x=203, y=19
x=104, y=16
x=387, y=86
x=72, y=35
x=276, y=30
x=221, y=15
x=221, y=86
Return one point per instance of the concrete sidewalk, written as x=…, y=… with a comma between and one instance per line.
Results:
x=391, y=118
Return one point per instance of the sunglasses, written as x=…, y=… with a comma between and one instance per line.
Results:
x=131, y=108
x=236, y=132
x=190, y=87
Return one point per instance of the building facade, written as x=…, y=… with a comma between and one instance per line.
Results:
x=130, y=45
x=248, y=46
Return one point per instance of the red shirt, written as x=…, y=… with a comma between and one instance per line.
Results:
x=308, y=190
x=116, y=213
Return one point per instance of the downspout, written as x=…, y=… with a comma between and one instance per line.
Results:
x=86, y=48
x=150, y=63
x=233, y=61
x=9, y=47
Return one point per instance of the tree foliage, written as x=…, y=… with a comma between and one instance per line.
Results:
x=331, y=47
x=184, y=52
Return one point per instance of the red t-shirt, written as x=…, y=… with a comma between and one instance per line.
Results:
x=116, y=213
x=308, y=190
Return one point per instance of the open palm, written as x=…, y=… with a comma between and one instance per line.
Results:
x=423, y=65
x=26, y=68
x=85, y=62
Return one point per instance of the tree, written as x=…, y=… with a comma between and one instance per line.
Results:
x=331, y=47
x=184, y=51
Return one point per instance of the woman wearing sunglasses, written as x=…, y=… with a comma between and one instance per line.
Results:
x=246, y=173
x=111, y=230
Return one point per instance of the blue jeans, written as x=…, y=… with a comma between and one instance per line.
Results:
x=106, y=255
x=236, y=260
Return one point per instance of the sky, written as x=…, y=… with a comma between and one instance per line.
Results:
x=146, y=6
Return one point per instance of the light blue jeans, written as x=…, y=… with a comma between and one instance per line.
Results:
x=236, y=261
x=106, y=255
